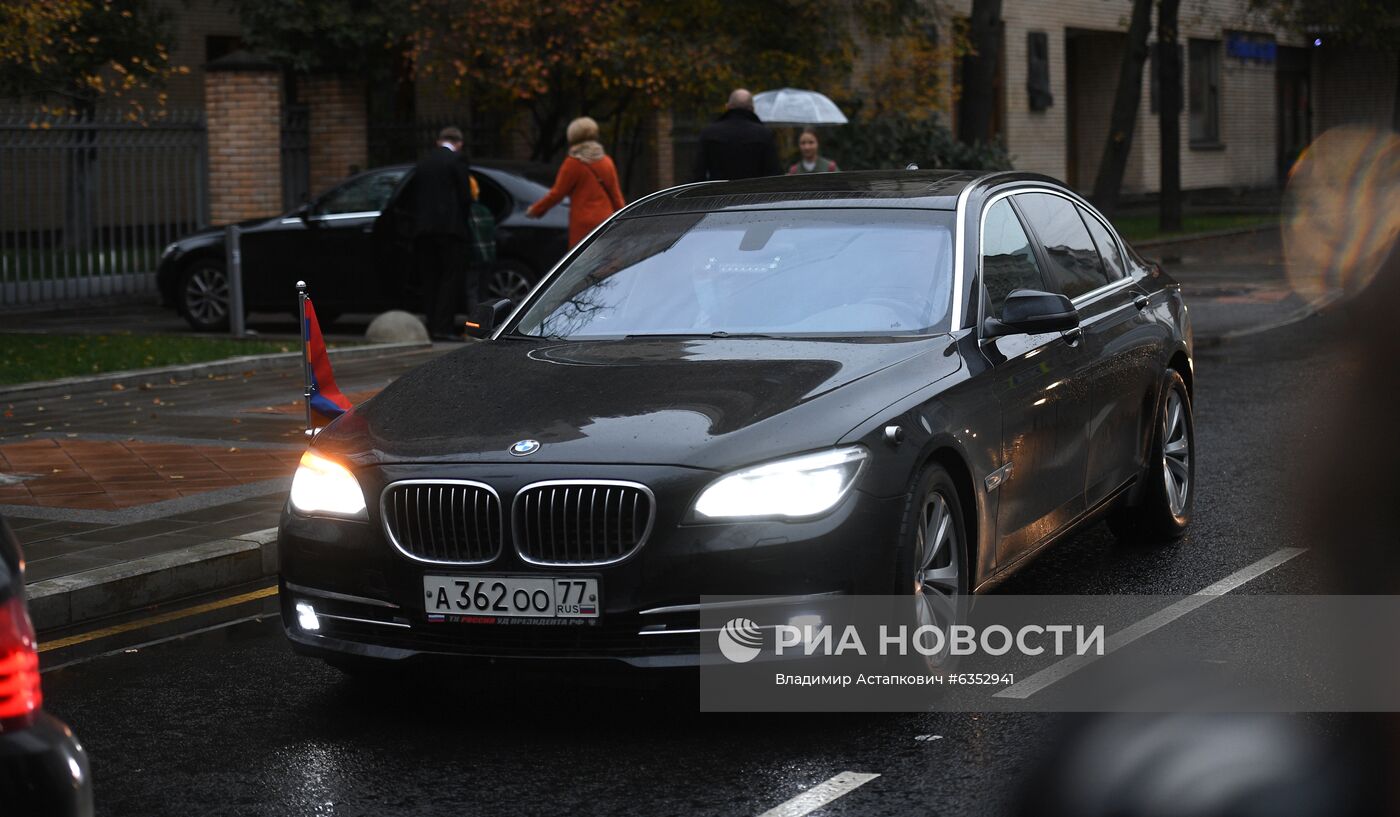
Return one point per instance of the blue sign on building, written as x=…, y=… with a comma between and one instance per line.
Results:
x=1250, y=47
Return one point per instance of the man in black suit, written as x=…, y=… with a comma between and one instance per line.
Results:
x=737, y=145
x=441, y=200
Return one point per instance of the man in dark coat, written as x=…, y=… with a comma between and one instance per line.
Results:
x=737, y=145
x=440, y=197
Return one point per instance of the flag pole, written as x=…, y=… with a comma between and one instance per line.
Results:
x=305, y=360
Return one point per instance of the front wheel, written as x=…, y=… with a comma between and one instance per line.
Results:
x=203, y=298
x=1164, y=509
x=510, y=280
x=932, y=569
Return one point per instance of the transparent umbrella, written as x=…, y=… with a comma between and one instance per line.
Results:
x=794, y=106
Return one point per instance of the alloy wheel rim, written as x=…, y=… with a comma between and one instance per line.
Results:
x=937, y=567
x=1176, y=453
x=509, y=283
x=206, y=294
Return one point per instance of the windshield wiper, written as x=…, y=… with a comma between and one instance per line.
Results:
x=524, y=336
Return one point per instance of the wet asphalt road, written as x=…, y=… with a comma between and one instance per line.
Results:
x=230, y=722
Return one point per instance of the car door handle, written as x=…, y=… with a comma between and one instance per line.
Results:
x=1073, y=336
x=1140, y=301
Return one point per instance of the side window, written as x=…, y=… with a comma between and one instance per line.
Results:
x=366, y=194
x=1108, y=248
x=1074, y=263
x=493, y=197
x=1008, y=263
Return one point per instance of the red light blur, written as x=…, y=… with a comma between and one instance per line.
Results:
x=20, y=695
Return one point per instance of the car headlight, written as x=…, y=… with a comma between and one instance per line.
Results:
x=323, y=486
x=169, y=249
x=793, y=488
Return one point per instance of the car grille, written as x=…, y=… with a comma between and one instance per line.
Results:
x=581, y=522
x=451, y=522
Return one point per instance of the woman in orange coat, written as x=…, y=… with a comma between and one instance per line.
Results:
x=588, y=178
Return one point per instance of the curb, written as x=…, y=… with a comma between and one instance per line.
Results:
x=134, y=377
x=1187, y=238
x=129, y=586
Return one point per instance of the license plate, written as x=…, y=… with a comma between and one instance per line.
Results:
x=511, y=597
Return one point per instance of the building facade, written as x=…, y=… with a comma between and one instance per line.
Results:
x=1254, y=95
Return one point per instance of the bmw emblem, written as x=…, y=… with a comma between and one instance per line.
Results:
x=525, y=448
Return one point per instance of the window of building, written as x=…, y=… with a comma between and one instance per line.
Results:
x=1204, y=77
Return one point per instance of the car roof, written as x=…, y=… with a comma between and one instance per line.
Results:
x=917, y=189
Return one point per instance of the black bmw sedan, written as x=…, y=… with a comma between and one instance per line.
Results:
x=349, y=246
x=851, y=383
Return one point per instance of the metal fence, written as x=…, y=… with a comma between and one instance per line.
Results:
x=296, y=155
x=88, y=203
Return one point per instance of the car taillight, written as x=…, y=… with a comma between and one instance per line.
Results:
x=20, y=696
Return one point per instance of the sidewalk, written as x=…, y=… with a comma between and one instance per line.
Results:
x=1235, y=285
x=93, y=480
x=133, y=496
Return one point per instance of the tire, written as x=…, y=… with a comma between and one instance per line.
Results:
x=937, y=581
x=1163, y=510
x=202, y=295
x=511, y=280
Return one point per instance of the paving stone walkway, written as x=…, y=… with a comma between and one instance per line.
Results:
x=91, y=479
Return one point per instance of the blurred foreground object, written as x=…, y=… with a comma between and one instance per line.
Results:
x=1343, y=212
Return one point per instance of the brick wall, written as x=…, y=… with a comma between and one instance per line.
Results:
x=663, y=154
x=336, y=128
x=243, y=104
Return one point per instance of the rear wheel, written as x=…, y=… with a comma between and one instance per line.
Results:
x=1164, y=508
x=203, y=295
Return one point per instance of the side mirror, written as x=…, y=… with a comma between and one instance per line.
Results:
x=485, y=317
x=1030, y=312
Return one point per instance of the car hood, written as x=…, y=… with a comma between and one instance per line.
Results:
x=706, y=403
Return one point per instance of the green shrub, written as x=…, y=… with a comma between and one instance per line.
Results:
x=893, y=142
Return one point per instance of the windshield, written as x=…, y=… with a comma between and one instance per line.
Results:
x=770, y=272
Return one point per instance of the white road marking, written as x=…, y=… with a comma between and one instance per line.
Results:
x=820, y=794
x=1065, y=667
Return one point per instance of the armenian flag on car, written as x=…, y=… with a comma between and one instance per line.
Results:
x=326, y=399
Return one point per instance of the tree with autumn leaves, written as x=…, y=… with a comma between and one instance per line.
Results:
x=616, y=60
x=70, y=54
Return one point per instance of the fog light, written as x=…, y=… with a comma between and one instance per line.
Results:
x=306, y=617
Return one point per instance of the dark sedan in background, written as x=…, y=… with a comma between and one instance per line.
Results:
x=348, y=245
x=890, y=383
x=43, y=769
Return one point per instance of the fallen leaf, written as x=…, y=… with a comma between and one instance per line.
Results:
x=118, y=387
